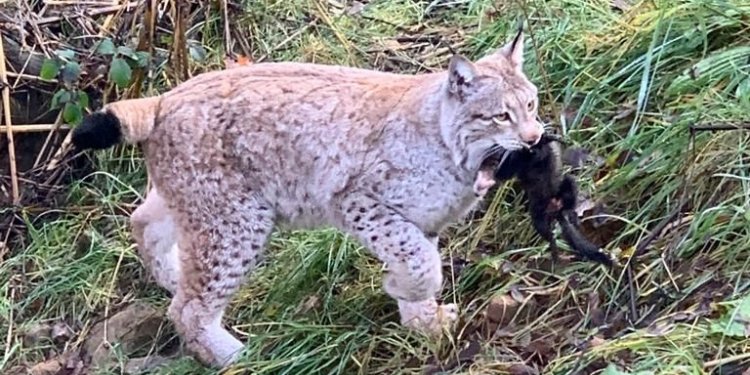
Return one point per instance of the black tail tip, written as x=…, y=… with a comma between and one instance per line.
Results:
x=98, y=131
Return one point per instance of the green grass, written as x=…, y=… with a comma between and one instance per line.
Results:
x=626, y=86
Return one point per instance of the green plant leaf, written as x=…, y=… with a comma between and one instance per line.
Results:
x=142, y=58
x=120, y=72
x=50, y=68
x=735, y=323
x=65, y=54
x=743, y=92
x=61, y=97
x=613, y=370
x=197, y=52
x=72, y=113
x=83, y=99
x=106, y=47
x=70, y=72
x=126, y=51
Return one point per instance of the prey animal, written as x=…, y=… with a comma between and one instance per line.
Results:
x=390, y=159
x=551, y=195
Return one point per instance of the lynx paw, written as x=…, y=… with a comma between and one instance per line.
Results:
x=216, y=348
x=427, y=316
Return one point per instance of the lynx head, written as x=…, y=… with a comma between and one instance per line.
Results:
x=488, y=105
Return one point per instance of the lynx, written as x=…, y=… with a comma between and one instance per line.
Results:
x=390, y=159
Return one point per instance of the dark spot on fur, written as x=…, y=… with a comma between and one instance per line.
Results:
x=357, y=218
x=374, y=238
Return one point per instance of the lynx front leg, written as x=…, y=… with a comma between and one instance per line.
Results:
x=155, y=233
x=414, y=273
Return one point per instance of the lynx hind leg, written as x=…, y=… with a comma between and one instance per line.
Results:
x=216, y=252
x=414, y=270
x=155, y=233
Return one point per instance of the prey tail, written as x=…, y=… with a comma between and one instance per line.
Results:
x=578, y=243
x=129, y=121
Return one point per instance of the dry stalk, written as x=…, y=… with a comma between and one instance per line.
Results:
x=9, y=127
x=33, y=128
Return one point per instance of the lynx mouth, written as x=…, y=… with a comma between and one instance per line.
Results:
x=495, y=159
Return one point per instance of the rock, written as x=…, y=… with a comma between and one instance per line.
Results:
x=131, y=329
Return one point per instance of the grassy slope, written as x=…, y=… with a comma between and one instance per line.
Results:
x=591, y=63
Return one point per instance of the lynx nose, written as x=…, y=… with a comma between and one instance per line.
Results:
x=532, y=135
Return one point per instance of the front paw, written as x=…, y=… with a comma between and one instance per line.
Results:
x=428, y=316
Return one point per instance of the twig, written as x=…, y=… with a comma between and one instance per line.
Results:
x=694, y=128
x=32, y=128
x=89, y=13
x=52, y=129
x=724, y=361
x=227, y=33
x=8, y=127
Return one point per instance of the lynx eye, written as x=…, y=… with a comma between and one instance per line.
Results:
x=530, y=106
x=501, y=118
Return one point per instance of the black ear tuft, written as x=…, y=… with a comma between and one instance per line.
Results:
x=98, y=131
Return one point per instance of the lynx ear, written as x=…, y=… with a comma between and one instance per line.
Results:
x=461, y=73
x=513, y=51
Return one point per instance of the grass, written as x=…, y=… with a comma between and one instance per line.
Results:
x=625, y=85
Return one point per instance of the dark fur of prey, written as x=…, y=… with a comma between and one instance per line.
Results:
x=551, y=196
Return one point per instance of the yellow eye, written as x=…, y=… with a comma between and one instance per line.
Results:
x=503, y=117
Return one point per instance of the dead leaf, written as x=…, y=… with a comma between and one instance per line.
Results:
x=61, y=333
x=506, y=267
x=516, y=293
x=144, y=364
x=624, y=112
x=355, y=8
x=584, y=204
x=36, y=334
x=501, y=309
x=48, y=367
x=522, y=369
x=659, y=328
x=311, y=302
x=596, y=341
x=241, y=60
x=541, y=348
x=621, y=5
